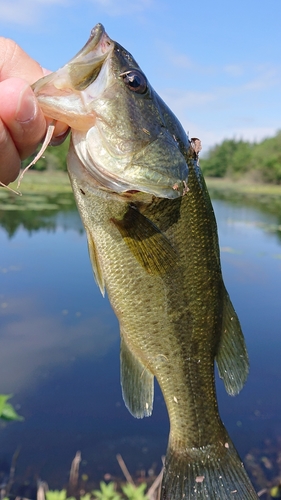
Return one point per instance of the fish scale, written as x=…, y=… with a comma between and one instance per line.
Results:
x=153, y=245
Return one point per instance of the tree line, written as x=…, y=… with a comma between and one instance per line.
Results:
x=234, y=159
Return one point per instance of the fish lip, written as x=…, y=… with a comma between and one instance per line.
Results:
x=95, y=36
x=82, y=69
x=60, y=94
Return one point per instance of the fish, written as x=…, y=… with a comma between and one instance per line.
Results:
x=153, y=244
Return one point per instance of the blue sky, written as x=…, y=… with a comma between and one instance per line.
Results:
x=216, y=63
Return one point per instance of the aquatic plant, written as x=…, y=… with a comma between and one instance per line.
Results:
x=135, y=492
x=275, y=492
x=107, y=492
x=7, y=411
x=56, y=495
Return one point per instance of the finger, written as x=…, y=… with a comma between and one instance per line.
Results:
x=9, y=158
x=59, y=137
x=14, y=62
x=22, y=116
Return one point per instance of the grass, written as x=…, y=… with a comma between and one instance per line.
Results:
x=46, y=182
x=44, y=192
x=245, y=187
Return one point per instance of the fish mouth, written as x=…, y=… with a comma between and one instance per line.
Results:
x=86, y=65
x=59, y=93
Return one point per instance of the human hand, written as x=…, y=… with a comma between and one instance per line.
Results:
x=22, y=123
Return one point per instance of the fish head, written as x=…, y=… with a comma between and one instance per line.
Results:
x=122, y=132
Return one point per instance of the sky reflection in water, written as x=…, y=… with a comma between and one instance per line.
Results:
x=59, y=349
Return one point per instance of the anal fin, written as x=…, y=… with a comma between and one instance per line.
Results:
x=232, y=358
x=137, y=383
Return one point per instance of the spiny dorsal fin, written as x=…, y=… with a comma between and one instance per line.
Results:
x=137, y=383
x=232, y=358
x=147, y=243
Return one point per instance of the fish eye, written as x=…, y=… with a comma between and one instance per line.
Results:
x=135, y=81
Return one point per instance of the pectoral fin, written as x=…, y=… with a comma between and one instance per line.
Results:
x=232, y=358
x=137, y=383
x=149, y=245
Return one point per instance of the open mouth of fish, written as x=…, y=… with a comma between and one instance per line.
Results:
x=67, y=93
x=91, y=93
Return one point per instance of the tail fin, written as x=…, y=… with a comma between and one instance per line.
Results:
x=213, y=473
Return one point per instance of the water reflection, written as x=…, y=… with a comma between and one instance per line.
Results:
x=36, y=211
x=59, y=346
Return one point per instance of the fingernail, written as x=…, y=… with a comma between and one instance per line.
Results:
x=27, y=106
x=56, y=141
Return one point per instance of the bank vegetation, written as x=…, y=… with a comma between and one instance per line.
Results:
x=258, y=162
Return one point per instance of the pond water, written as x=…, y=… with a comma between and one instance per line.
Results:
x=59, y=346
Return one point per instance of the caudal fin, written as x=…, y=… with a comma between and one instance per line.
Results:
x=213, y=473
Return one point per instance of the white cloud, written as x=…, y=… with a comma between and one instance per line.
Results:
x=220, y=114
x=267, y=78
x=123, y=7
x=25, y=12
x=210, y=136
x=251, y=76
x=245, y=110
x=174, y=57
x=32, y=340
x=178, y=100
x=252, y=134
x=234, y=70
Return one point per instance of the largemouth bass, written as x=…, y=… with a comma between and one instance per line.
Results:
x=153, y=245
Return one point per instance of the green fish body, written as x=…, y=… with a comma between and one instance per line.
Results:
x=153, y=245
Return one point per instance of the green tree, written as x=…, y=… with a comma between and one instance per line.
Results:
x=234, y=159
x=267, y=159
x=230, y=158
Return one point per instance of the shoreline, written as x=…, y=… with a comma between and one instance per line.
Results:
x=55, y=181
